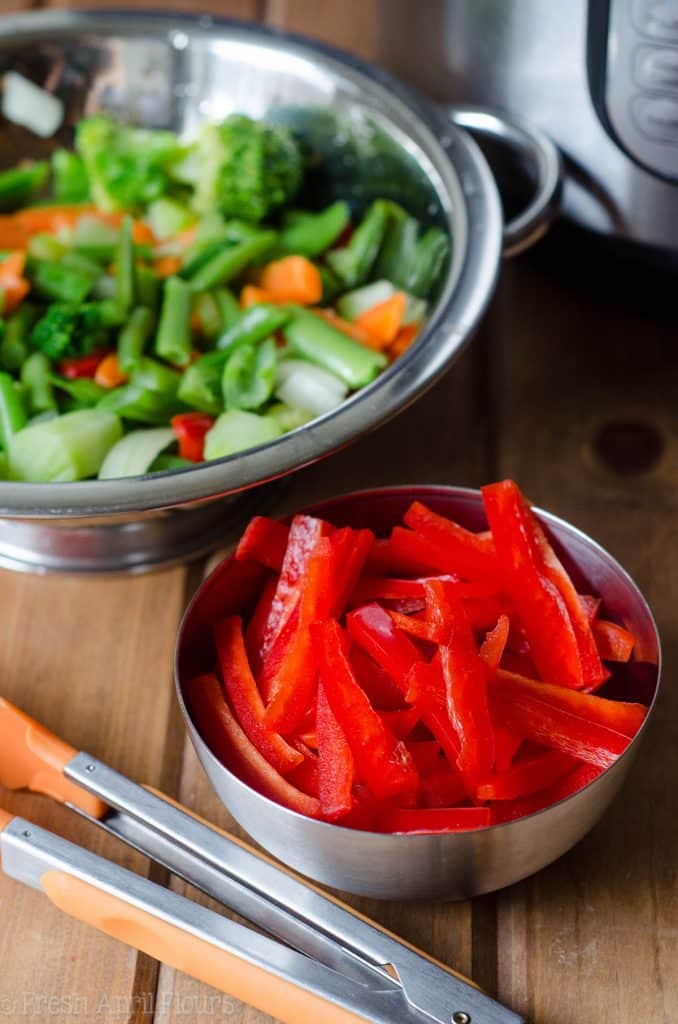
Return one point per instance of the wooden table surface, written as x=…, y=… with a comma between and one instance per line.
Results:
x=571, y=387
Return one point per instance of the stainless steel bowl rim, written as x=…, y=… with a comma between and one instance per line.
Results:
x=551, y=520
x=464, y=299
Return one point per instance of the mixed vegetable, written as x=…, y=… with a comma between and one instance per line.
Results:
x=434, y=681
x=165, y=302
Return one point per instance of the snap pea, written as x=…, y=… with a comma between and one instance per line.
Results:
x=125, y=267
x=71, y=184
x=12, y=412
x=312, y=338
x=249, y=376
x=232, y=260
x=229, y=307
x=257, y=323
x=149, y=373
x=38, y=390
x=207, y=310
x=173, y=340
x=398, y=251
x=142, y=405
x=311, y=234
x=19, y=184
x=353, y=263
x=83, y=391
x=432, y=250
x=133, y=338
x=200, y=384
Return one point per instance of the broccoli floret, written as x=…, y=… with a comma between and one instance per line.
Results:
x=246, y=168
x=70, y=331
x=127, y=167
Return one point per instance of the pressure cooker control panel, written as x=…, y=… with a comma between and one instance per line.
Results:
x=641, y=87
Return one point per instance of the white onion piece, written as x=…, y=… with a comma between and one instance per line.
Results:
x=25, y=103
x=305, y=386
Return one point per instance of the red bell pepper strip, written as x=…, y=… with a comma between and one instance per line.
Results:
x=82, y=366
x=492, y=647
x=382, y=692
x=245, y=699
x=466, y=676
x=352, y=548
x=506, y=746
x=526, y=777
x=306, y=776
x=510, y=810
x=433, y=821
x=414, y=626
x=220, y=730
x=389, y=588
x=336, y=766
x=442, y=788
x=191, y=429
x=382, y=761
x=560, y=730
x=401, y=723
x=292, y=686
x=591, y=606
x=256, y=627
x=373, y=629
x=621, y=716
x=387, y=559
x=426, y=755
x=304, y=533
x=614, y=642
x=264, y=541
x=540, y=605
x=461, y=551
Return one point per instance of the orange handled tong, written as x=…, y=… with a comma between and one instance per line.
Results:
x=318, y=961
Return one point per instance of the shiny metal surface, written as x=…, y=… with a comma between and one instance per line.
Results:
x=543, y=61
x=374, y=136
x=276, y=902
x=415, y=867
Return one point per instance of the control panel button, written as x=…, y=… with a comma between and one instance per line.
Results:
x=656, y=67
x=657, y=18
x=657, y=117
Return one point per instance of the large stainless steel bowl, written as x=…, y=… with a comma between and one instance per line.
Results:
x=454, y=866
x=373, y=137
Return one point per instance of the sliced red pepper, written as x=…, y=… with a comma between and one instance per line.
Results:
x=256, y=627
x=540, y=605
x=466, y=676
x=391, y=557
x=622, y=716
x=614, y=642
x=382, y=692
x=382, y=761
x=591, y=606
x=458, y=550
x=306, y=776
x=433, y=821
x=510, y=810
x=352, y=548
x=401, y=723
x=426, y=690
x=373, y=629
x=219, y=728
x=506, y=746
x=191, y=429
x=494, y=644
x=560, y=730
x=292, y=686
x=264, y=541
x=426, y=755
x=389, y=588
x=244, y=696
x=528, y=776
x=422, y=629
x=336, y=766
x=442, y=788
x=82, y=366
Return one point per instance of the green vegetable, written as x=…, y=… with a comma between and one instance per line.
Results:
x=95, y=238
x=149, y=373
x=311, y=234
x=173, y=340
x=133, y=454
x=61, y=283
x=257, y=323
x=231, y=260
x=125, y=267
x=68, y=447
x=168, y=217
x=312, y=338
x=332, y=286
x=249, y=376
x=148, y=288
x=133, y=338
x=70, y=183
x=433, y=249
x=45, y=247
x=206, y=307
x=352, y=304
x=83, y=391
x=14, y=344
x=229, y=308
x=82, y=264
x=18, y=185
x=289, y=417
x=127, y=167
x=200, y=384
x=398, y=251
x=12, y=412
x=411, y=262
x=235, y=431
x=68, y=331
x=142, y=405
x=36, y=374
x=166, y=463
x=246, y=168
x=353, y=263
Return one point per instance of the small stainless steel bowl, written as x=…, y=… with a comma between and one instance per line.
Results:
x=371, y=136
x=454, y=866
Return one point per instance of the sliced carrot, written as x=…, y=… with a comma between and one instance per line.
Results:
x=293, y=279
x=13, y=286
x=383, y=321
x=252, y=295
x=55, y=218
x=184, y=238
x=13, y=265
x=404, y=338
x=108, y=373
x=142, y=234
x=347, y=327
x=166, y=266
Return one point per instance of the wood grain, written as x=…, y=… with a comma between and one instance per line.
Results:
x=352, y=26
x=224, y=8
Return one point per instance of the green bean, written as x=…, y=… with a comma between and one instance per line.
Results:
x=36, y=379
x=319, y=342
x=253, y=326
x=125, y=267
x=353, y=263
x=12, y=411
x=311, y=234
x=173, y=340
x=133, y=338
x=232, y=260
x=249, y=376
